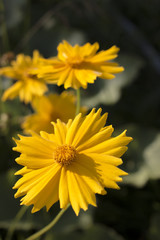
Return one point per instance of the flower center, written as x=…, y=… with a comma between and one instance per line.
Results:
x=29, y=75
x=65, y=154
x=75, y=62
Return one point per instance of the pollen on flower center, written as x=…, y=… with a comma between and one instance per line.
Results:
x=65, y=154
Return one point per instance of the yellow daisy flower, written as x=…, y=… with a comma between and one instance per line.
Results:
x=79, y=160
x=50, y=108
x=27, y=85
x=76, y=66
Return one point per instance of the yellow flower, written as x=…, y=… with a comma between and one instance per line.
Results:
x=79, y=160
x=50, y=108
x=76, y=66
x=27, y=85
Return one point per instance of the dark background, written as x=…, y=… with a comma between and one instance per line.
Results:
x=132, y=100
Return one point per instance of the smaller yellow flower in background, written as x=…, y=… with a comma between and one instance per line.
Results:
x=50, y=108
x=79, y=160
x=27, y=85
x=76, y=66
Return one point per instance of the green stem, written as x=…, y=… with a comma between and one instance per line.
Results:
x=15, y=221
x=49, y=226
x=78, y=101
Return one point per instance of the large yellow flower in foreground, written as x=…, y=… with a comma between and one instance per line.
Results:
x=79, y=160
x=76, y=66
x=27, y=85
x=50, y=108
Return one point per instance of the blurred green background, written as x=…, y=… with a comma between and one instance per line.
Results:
x=132, y=100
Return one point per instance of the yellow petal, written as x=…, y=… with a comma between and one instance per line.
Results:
x=107, y=167
x=60, y=132
x=89, y=127
x=48, y=136
x=88, y=194
x=105, y=159
x=63, y=189
x=69, y=79
x=34, y=162
x=117, y=152
x=101, y=136
x=85, y=167
x=35, y=146
x=32, y=177
x=110, y=144
x=110, y=175
x=106, y=55
x=12, y=92
x=64, y=50
x=86, y=76
x=89, y=50
x=72, y=129
x=23, y=171
x=63, y=76
x=77, y=199
x=39, y=194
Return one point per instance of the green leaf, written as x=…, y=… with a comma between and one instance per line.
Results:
x=143, y=161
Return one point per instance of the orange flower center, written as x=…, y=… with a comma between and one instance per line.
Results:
x=29, y=75
x=65, y=154
x=75, y=62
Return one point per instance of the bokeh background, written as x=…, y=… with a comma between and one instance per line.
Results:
x=132, y=100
